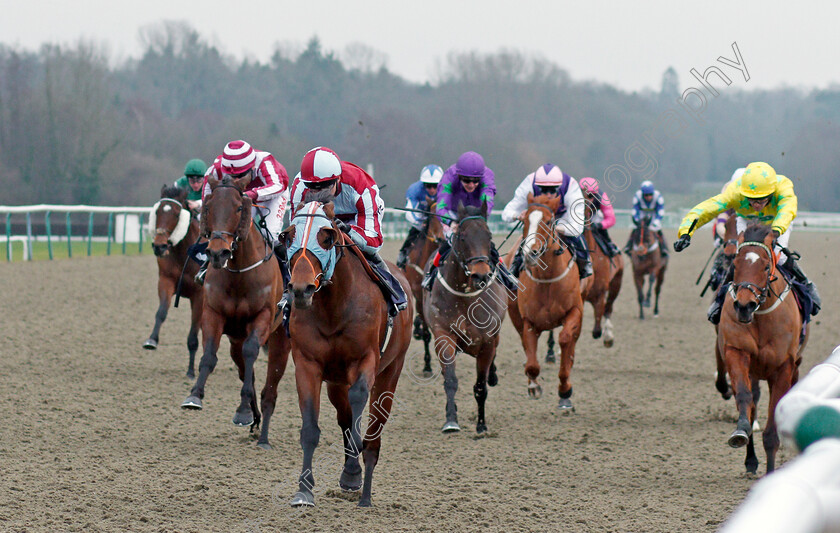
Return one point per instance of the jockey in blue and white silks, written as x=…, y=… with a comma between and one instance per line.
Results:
x=648, y=203
x=418, y=196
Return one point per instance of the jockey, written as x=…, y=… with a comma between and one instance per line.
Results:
x=191, y=182
x=358, y=210
x=648, y=202
x=469, y=183
x=416, y=198
x=762, y=195
x=551, y=181
x=603, y=216
x=268, y=190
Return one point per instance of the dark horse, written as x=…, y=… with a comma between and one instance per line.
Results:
x=647, y=261
x=340, y=334
x=418, y=255
x=465, y=310
x=549, y=296
x=175, y=230
x=241, y=291
x=759, y=338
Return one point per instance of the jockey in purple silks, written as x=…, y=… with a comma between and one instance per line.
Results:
x=469, y=183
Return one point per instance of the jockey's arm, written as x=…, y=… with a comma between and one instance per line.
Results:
x=607, y=212
x=413, y=201
x=571, y=223
x=273, y=177
x=659, y=213
x=707, y=210
x=519, y=203
x=787, y=206
x=366, y=229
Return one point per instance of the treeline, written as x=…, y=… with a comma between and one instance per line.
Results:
x=74, y=129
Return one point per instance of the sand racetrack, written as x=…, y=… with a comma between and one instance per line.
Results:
x=94, y=439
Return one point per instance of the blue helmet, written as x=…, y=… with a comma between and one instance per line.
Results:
x=431, y=174
x=647, y=187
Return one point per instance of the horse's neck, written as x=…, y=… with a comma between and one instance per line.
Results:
x=421, y=251
x=331, y=302
x=249, y=251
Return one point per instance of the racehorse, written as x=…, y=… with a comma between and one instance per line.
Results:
x=241, y=291
x=759, y=338
x=340, y=334
x=418, y=255
x=647, y=261
x=606, y=279
x=175, y=230
x=549, y=295
x=465, y=310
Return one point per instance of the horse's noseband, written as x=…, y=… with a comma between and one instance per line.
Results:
x=221, y=236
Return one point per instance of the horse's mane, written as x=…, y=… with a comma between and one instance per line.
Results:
x=171, y=191
x=756, y=232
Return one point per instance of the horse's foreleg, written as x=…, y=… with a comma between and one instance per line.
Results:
x=651, y=279
x=278, y=357
x=598, y=305
x=166, y=288
x=339, y=395
x=779, y=384
x=530, y=336
x=721, y=383
x=738, y=365
x=568, y=339
x=482, y=370
x=446, y=352
x=247, y=413
x=211, y=331
x=550, y=356
x=308, y=379
x=640, y=294
x=196, y=305
x=426, y=335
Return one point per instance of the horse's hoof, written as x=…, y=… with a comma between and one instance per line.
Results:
x=150, y=344
x=193, y=402
x=565, y=406
x=364, y=502
x=534, y=390
x=303, y=499
x=243, y=418
x=451, y=427
x=656, y=314
x=264, y=445
x=646, y=303
x=191, y=374
x=608, y=343
x=756, y=426
x=549, y=358
x=350, y=482
x=738, y=439
x=481, y=429
x=492, y=379
x=427, y=373
x=596, y=334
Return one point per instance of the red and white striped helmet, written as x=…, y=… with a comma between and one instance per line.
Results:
x=320, y=164
x=548, y=175
x=238, y=157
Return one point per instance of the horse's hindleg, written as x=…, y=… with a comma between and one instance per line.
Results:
x=381, y=401
x=427, y=354
x=351, y=476
x=278, y=356
x=308, y=379
x=721, y=383
x=530, y=336
x=598, y=305
x=550, y=356
x=196, y=305
x=482, y=370
x=660, y=278
x=446, y=352
x=247, y=413
x=738, y=364
x=166, y=288
x=779, y=384
x=211, y=331
x=639, y=280
x=651, y=279
x=568, y=339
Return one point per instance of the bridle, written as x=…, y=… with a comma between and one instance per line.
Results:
x=319, y=277
x=465, y=263
x=760, y=293
x=236, y=239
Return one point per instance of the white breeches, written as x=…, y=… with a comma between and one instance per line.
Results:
x=274, y=218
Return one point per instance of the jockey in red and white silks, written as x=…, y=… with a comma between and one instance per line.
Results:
x=269, y=181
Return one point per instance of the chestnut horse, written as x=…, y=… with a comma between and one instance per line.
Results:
x=175, y=230
x=339, y=330
x=418, y=255
x=549, y=295
x=465, y=310
x=241, y=291
x=758, y=336
x=606, y=279
x=647, y=261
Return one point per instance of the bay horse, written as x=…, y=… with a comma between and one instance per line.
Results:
x=175, y=229
x=418, y=255
x=606, y=278
x=465, y=310
x=549, y=295
x=647, y=261
x=241, y=290
x=759, y=338
x=339, y=332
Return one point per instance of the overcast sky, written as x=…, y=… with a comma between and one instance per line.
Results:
x=627, y=44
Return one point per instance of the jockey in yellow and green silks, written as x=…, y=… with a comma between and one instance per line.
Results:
x=759, y=194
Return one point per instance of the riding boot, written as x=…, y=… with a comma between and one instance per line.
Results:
x=283, y=260
x=429, y=278
x=662, y=246
x=793, y=267
x=713, y=314
x=402, y=257
x=516, y=264
x=629, y=245
x=506, y=276
x=397, y=300
x=202, y=271
x=611, y=248
x=581, y=256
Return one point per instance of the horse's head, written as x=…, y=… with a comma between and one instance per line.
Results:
x=434, y=227
x=754, y=267
x=226, y=217
x=169, y=219
x=538, y=231
x=472, y=244
x=310, y=241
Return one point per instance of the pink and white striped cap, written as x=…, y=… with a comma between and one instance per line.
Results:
x=238, y=157
x=320, y=164
x=549, y=175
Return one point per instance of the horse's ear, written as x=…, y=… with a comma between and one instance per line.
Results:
x=287, y=236
x=530, y=198
x=768, y=239
x=740, y=237
x=462, y=211
x=327, y=237
x=243, y=182
x=329, y=209
x=182, y=195
x=162, y=189
x=484, y=209
x=244, y=219
x=554, y=203
x=213, y=181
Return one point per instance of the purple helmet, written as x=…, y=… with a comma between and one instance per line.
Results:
x=470, y=164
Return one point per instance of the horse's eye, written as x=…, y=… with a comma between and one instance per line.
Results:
x=239, y=209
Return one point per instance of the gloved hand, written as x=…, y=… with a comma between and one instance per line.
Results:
x=252, y=195
x=340, y=224
x=682, y=243
x=776, y=234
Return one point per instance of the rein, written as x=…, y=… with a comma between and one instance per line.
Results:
x=236, y=239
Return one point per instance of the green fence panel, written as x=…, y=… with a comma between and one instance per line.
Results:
x=69, y=246
x=110, y=231
x=90, y=232
x=9, y=237
x=125, y=228
x=49, y=233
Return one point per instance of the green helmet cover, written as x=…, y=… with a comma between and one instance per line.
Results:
x=195, y=167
